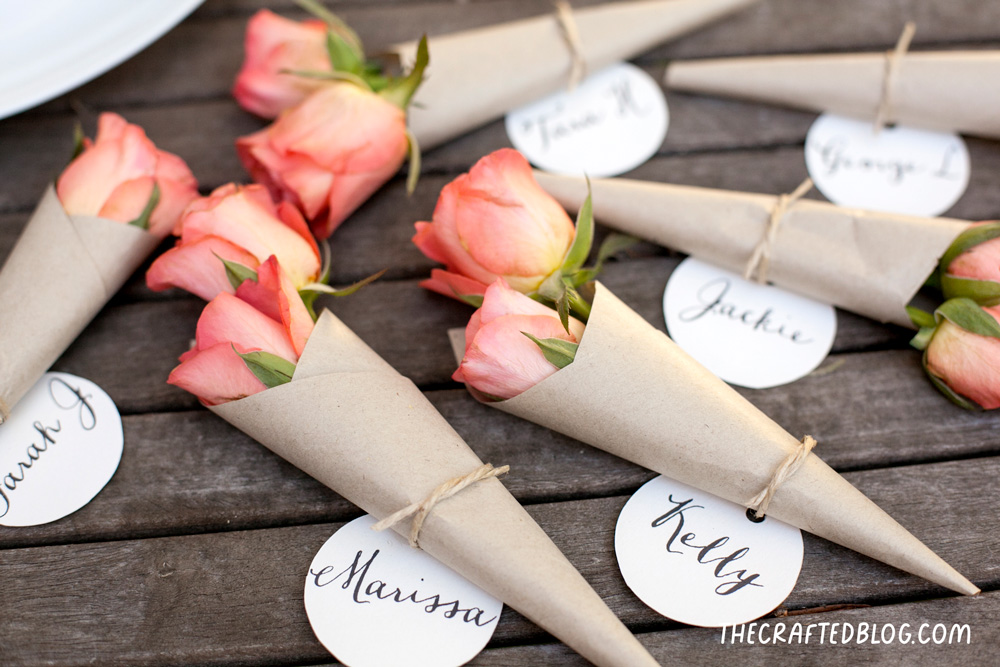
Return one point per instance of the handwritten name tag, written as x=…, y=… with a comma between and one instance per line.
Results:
x=60, y=447
x=612, y=122
x=747, y=334
x=698, y=559
x=373, y=600
x=899, y=170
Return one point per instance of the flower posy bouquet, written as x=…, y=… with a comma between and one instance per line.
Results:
x=869, y=262
x=340, y=131
x=617, y=383
x=108, y=210
x=317, y=396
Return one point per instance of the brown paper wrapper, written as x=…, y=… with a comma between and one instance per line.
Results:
x=58, y=276
x=633, y=392
x=863, y=261
x=476, y=76
x=355, y=424
x=952, y=91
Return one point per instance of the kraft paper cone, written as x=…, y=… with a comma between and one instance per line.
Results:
x=479, y=75
x=954, y=90
x=60, y=273
x=633, y=392
x=355, y=424
x=864, y=261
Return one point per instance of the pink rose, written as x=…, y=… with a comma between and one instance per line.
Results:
x=971, y=267
x=500, y=361
x=239, y=224
x=328, y=154
x=274, y=47
x=968, y=363
x=495, y=222
x=115, y=175
x=265, y=315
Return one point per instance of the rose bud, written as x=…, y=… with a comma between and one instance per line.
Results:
x=495, y=222
x=971, y=266
x=961, y=344
x=121, y=174
x=248, y=342
x=240, y=224
x=501, y=360
x=274, y=48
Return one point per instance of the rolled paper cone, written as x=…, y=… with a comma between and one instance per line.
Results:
x=355, y=424
x=867, y=262
x=60, y=273
x=633, y=392
x=953, y=90
x=478, y=75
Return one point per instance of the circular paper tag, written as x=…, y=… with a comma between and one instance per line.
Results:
x=698, y=559
x=748, y=334
x=899, y=170
x=612, y=122
x=60, y=447
x=374, y=600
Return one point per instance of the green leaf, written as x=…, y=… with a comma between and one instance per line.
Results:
x=580, y=249
x=269, y=368
x=967, y=314
x=237, y=273
x=983, y=292
x=413, y=148
x=923, y=337
x=972, y=236
x=400, y=91
x=79, y=141
x=920, y=318
x=343, y=56
x=142, y=222
x=954, y=397
x=558, y=352
x=320, y=288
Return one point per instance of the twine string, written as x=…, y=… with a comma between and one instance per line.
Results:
x=793, y=462
x=420, y=510
x=571, y=34
x=893, y=59
x=760, y=260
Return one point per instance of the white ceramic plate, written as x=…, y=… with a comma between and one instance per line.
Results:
x=50, y=46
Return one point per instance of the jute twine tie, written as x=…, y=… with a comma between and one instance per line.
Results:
x=419, y=511
x=760, y=260
x=893, y=59
x=570, y=32
x=787, y=468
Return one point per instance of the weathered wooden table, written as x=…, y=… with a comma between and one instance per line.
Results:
x=196, y=552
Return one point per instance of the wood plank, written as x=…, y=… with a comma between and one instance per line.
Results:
x=235, y=598
x=703, y=646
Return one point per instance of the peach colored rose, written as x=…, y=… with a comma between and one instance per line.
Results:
x=500, y=361
x=328, y=154
x=967, y=362
x=274, y=47
x=115, y=174
x=980, y=262
x=495, y=222
x=266, y=315
x=240, y=224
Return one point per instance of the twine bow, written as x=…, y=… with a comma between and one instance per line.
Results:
x=760, y=260
x=793, y=462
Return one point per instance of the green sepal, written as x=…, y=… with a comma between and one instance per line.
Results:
x=333, y=23
x=923, y=337
x=562, y=307
x=611, y=246
x=327, y=263
x=400, y=91
x=474, y=300
x=321, y=288
x=269, y=368
x=343, y=56
x=237, y=273
x=79, y=141
x=580, y=250
x=967, y=314
x=921, y=318
x=971, y=237
x=558, y=352
x=983, y=292
x=142, y=222
x=348, y=77
x=413, y=150
x=957, y=399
